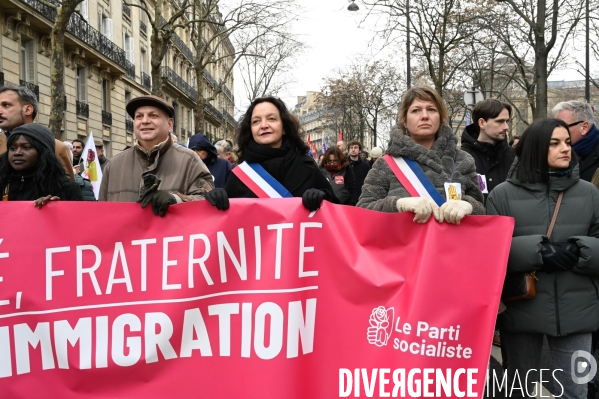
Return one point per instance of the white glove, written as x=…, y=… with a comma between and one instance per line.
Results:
x=453, y=211
x=421, y=206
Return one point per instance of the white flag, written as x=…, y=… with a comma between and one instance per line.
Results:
x=91, y=164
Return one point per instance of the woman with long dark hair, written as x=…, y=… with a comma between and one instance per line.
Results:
x=336, y=168
x=565, y=309
x=270, y=147
x=30, y=171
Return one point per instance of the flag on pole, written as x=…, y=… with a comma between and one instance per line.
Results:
x=340, y=135
x=314, y=150
x=91, y=165
x=324, y=144
x=308, y=140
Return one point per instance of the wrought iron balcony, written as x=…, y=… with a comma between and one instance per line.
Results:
x=170, y=76
x=82, y=109
x=126, y=10
x=143, y=28
x=106, y=118
x=210, y=79
x=128, y=125
x=79, y=27
x=228, y=92
x=210, y=110
x=129, y=69
x=34, y=88
x=146, y=81
x=82, y=30
x=182, y=46
x=229, y=118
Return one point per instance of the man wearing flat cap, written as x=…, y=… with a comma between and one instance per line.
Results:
x=155, y=170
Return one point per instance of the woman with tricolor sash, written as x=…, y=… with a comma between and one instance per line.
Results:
x=273, y=160
x=424, y=171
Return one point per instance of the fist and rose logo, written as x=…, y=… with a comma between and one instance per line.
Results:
x=381, y=322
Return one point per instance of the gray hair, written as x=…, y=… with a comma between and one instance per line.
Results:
x=581, y=110
x=25, y=95
x=224, y=146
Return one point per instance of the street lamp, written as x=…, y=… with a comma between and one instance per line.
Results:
x=353, y=6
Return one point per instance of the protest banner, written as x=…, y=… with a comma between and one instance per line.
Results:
x=259, y=301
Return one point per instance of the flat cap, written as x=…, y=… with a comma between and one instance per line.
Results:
x=154, y=101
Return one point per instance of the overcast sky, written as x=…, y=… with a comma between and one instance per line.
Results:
x=334, y=39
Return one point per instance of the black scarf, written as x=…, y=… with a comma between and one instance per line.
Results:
x=276, y=161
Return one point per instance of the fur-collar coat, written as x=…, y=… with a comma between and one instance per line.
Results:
x=444, y=162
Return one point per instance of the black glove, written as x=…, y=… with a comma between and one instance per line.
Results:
x=151, y=183
x=160, y=200
x=559, y=256
x=312, y=199
x=218, y=198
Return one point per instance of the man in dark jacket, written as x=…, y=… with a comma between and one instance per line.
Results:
x=485, y=140
x=583, y=132
x=220, y=168
x=360, y=168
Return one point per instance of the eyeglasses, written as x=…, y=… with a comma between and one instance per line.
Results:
x=332, y=162
x=575, y=123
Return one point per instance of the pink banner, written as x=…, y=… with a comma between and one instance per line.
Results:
x=260, y=301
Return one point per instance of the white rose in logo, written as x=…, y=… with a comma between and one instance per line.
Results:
x=381, y=321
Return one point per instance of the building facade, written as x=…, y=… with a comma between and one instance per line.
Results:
x=107, y=63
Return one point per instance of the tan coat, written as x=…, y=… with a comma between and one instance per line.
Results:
x=181, y=171
x=61, y=151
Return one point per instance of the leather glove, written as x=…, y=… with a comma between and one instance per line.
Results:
x=312, y=199
x=421, y=206
x=160, y=200
x=151, y=183
x=218, y=198
x=453, y=211
x=559, y=256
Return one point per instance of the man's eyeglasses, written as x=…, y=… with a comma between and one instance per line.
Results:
x=575, y=123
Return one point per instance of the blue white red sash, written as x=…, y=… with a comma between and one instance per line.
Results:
x=412, y=178
x=259, y=181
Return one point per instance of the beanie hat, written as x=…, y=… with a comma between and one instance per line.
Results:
x=37, y=132
x=376, y=152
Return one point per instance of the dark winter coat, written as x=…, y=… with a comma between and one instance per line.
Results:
x=382, y=189
x=360, y=169
x=342, y=182
x=492, y=160
x=87, y=190
x=297, y=173
x=566, y=302
x=21, y=188
x=589, y=164
x=219, y=168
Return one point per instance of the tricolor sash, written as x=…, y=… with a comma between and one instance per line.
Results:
x=259, y=181
x=412, y=178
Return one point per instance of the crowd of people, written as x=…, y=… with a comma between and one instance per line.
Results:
x=546, y=179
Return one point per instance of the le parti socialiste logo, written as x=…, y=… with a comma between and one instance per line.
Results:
x=380, y=325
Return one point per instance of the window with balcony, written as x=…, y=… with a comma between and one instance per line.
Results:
x=83, y=9
x=129, y=46
x=105, y=25
x=81, y=83
x=27, y=60
x=106, y=115
x=128, y=119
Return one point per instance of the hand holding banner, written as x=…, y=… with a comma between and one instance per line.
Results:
x=261, y=301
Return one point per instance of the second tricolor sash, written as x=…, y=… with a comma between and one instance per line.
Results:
x=259, y=181
x=412, y=178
